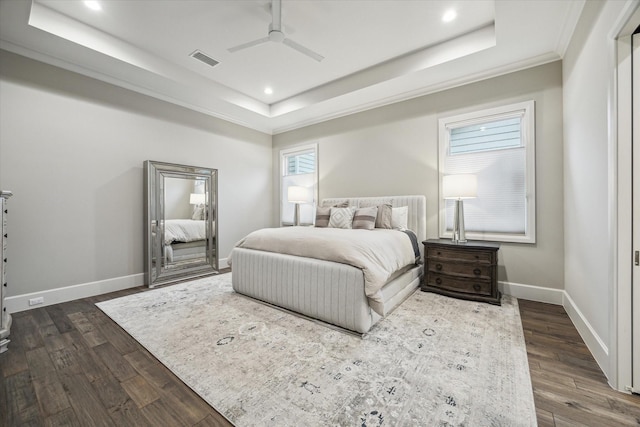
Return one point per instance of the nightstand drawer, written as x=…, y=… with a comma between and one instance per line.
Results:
x=468, y=286
x=479, y=271
x=462, y=255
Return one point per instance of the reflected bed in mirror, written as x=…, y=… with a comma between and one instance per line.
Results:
x=181, y=227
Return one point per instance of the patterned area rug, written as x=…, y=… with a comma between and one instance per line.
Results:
x=434, y=361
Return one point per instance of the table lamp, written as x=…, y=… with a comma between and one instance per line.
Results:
x=458, y=188
x=297, y=195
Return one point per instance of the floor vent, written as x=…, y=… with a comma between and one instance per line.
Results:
x=204, y=58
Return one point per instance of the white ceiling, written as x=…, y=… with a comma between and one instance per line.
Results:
x=375, y=51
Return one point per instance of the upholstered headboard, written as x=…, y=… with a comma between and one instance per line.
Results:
x=417, y=218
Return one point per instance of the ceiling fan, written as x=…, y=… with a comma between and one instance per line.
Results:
x=277, y=35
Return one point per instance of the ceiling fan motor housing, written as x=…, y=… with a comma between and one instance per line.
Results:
x=275, y=35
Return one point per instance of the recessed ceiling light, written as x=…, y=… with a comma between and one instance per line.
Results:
x=92, y=4
x=449, y=15
x=268, y=90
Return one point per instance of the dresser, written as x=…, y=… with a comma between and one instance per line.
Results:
x=5, y=317
x=462, y=270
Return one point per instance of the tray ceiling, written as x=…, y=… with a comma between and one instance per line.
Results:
x=375, y=52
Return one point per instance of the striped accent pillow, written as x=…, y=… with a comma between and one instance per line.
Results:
x=322, y=216
x=383, y=220
x=365, y=218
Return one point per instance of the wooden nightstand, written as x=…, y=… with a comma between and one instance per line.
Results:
x=462, y=270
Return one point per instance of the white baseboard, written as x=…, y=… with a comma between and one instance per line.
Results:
x=596, y=346
x=69, y=293
x=532, y=293
x=18, y=303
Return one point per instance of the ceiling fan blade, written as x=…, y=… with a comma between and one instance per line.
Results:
x=248, y=44
x=304, y=50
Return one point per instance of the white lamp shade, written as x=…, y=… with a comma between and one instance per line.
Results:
x=196, y=199
x=463, y=186
x=296, y=194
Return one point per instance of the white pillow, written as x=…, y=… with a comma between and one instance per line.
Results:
x=399, y=218
x=341, y=217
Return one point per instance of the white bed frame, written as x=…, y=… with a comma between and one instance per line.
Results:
x=324, y=290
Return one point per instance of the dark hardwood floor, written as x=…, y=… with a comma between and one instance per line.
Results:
x=568, y=386
x=70, y=365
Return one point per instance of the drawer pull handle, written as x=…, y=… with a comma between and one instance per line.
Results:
x=477, y=287
x=477, y=271
x=438, y=266
x=439, y=281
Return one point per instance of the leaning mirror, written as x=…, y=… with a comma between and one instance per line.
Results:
x=181, y=228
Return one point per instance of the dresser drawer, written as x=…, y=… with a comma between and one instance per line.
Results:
x=457, y=284
x=478, y=270
x=462, y=255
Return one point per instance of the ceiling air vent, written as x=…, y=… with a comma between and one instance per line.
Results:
x=204, y=58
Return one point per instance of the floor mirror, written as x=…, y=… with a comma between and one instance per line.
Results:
x=181, y=227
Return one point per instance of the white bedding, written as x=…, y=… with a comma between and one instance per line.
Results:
x=184, y=230
x=379, y=252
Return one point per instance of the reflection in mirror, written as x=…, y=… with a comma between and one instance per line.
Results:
x=181, y=229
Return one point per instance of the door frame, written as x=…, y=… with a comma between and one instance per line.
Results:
x=635, y=275
x=621, y=192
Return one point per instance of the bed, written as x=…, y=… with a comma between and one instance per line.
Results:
x=184, y=239
x=333, y=292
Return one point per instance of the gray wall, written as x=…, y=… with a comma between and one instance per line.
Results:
x=177, y=193
x=587, y=80
x=72, y=151
x=394, y=150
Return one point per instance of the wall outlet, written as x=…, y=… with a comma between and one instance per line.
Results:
x=36, y=301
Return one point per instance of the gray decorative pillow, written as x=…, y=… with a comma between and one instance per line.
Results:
x=341, y=217
x=322, y=216
x=365, y=218
x=383, y=218
x=339, y=205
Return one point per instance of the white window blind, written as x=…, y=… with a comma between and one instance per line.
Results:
x=299, y=168
x=497, y=146
x=301, y=163
x=494, y=135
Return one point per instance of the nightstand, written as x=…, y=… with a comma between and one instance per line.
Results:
x=462, y=270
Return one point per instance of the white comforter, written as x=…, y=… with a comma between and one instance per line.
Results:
x=184, y=230
x=379, y=252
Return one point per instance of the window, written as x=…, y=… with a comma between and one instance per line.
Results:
x=498, y=146
x=299, y=167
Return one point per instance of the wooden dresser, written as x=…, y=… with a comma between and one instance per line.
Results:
x=462, y=270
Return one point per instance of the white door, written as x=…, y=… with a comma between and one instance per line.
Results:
x=635, y=312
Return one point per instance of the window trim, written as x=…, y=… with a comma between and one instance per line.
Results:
x=286, y=152
x=526, y=110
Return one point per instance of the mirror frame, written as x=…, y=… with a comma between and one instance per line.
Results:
x=154, y=212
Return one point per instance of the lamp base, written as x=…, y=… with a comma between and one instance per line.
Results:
x=458, y=223
x=296, y=215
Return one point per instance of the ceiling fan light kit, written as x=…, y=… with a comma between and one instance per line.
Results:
x=277, y=35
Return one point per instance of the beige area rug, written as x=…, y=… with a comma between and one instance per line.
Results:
x=434, y=361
